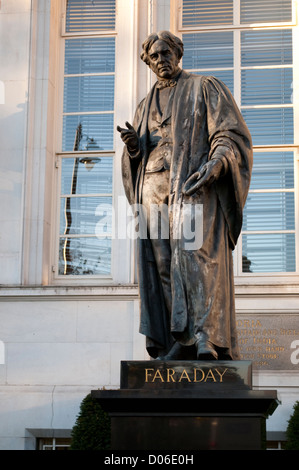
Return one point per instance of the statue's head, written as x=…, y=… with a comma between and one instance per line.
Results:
x=162, y=52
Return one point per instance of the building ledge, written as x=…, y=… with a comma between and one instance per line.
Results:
x=35, y=293
x=243, y=290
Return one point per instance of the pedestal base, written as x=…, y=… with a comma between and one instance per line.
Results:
x=192, y=406
x=187, y=433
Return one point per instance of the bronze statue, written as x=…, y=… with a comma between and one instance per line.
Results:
x=188, y=145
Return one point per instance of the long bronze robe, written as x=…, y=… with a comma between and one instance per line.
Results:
x=204, y=116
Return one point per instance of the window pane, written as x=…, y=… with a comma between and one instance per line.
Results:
x=266, y=11
x=269, y=211
x=86, y=216
x=89, y=55
x=95, y=15
x=269, y=253
x=272, y=170
x=84, y=256
x=270, y=126
x=98, y=127
x=208, y=50
x=204, y=12
x=55, y=443
x=86, y=175
x=273, y=47
x=266, y=86
x=89, y=93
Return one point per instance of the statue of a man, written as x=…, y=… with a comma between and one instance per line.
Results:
x=188, y=146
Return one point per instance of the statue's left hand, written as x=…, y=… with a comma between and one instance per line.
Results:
x=209, y=173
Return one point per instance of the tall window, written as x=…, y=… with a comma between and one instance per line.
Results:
x=249, y=45
x=85, y=162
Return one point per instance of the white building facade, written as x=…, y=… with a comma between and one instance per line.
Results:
x=69, y=310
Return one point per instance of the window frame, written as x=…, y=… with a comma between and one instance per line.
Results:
x=122, y=267
x=53, y=443
x=237, y=28
x=64, y=33
x=236, y=24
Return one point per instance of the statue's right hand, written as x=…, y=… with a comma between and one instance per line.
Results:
x=129, y=136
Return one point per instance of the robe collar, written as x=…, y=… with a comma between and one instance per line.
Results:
x=168, y=83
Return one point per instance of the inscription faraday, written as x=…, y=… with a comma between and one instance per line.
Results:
x=195, y=375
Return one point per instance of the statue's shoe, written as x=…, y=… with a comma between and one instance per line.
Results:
x=206, y=352
x=179, y=352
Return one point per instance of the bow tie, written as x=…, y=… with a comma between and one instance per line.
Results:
x=166, y=83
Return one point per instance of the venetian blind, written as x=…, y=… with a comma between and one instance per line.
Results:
x=266, y=11
x=90, y=15
x=89, y=92
x=268, y=239
x=203, y=13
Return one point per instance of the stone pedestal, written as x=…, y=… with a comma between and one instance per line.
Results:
x=187, y=405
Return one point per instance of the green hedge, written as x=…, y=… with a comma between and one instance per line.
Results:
x=293, y=429
x=92, y=430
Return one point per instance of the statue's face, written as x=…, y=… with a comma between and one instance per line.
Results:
x=163, y=60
